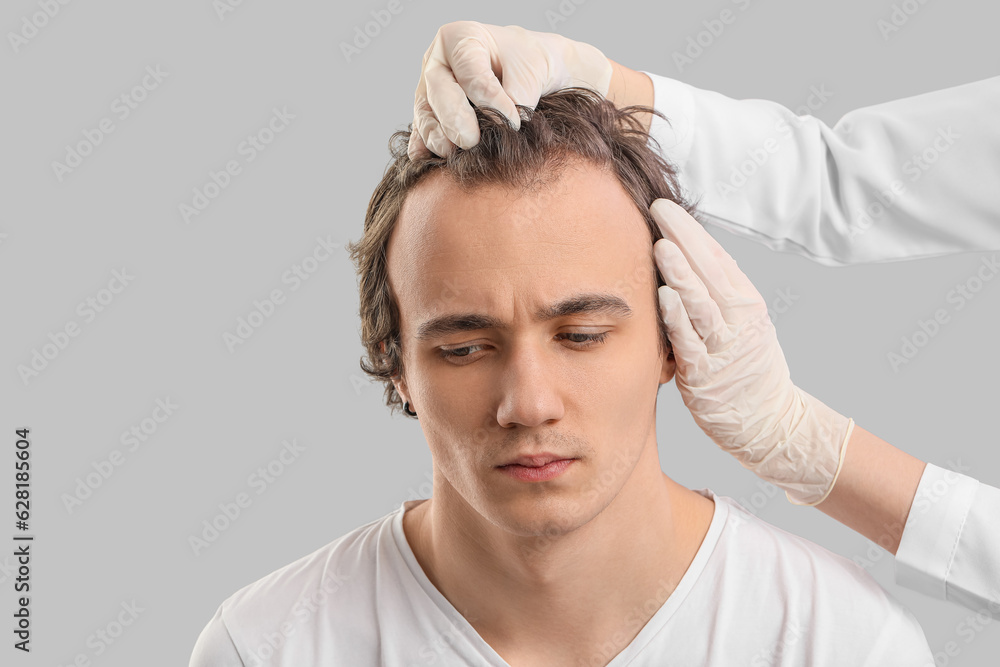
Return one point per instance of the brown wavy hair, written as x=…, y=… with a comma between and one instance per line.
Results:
x=571, y=124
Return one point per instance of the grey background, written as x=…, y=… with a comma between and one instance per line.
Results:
x=298, y=376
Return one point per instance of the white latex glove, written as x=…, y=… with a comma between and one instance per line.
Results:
x=494, y=67
x=731, y=372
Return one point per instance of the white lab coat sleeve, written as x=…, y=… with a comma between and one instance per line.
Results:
x=950, y=548
x=915, y=177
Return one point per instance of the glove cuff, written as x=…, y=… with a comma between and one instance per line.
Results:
x=799, y=497
x=807, y=462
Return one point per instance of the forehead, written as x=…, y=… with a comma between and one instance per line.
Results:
x=507, y=252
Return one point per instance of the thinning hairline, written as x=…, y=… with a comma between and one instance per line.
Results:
x=555, y=161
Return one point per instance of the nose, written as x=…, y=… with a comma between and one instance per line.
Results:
x=530, y=387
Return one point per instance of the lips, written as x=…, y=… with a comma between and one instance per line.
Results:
x=555, y=468
x=534, y=461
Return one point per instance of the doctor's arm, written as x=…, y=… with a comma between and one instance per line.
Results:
x=901, y=180
x=904, y=179
x=732, y=375
x=941, y=525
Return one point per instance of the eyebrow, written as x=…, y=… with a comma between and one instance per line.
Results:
x=579, y=304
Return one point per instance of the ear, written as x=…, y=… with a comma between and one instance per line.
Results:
x=398, y=381
x=401, y=389
x=668, y=366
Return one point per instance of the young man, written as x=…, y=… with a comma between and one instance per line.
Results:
x=509, y=302
x=949, y=547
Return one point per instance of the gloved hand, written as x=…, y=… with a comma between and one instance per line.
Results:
x=731, y=372
x=495, y=67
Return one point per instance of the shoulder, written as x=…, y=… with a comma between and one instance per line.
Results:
x=821, y=595
x=766, y=547
x=328, y=570
x=297, y=598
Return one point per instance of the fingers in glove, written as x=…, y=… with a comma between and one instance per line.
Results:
x=687, y=345
x=450, y=118
x=473, y=71
x=416, y=148
x=701, y=308
x=729, y=286
x=422, y=116
x=426, y=125
x=450, y=106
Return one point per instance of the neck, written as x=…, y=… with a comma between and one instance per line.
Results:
x=605, y=578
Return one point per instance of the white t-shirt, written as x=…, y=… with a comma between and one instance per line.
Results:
x=753, y=595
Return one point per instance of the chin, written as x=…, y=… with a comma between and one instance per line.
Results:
x=544, y=518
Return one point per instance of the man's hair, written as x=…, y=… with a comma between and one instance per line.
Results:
x=569, y=125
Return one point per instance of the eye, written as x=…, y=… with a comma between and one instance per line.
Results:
x=586, y=340
x=460, y=351
x=467, y=353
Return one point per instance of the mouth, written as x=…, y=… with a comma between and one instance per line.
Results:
x=535, y=460
x=540, y=468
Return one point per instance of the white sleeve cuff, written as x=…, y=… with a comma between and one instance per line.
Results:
x=933, y=530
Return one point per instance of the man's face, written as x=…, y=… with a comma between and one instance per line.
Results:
x=529, y=325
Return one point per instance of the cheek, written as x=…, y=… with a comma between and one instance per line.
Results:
x=452, y=410
x=615, y=395
x=637, y=368
x=443, y=391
